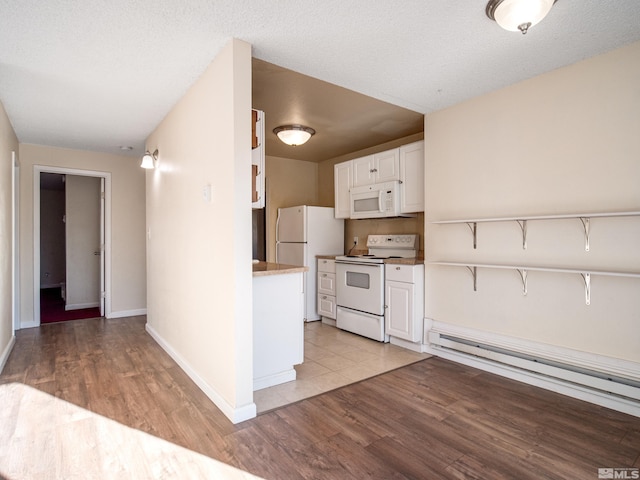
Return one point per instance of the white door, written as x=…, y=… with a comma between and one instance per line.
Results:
x=399, y=311
x=386, y=166
x=102, y=259
x=291, y=225
x=363, y=173
x=83, y=232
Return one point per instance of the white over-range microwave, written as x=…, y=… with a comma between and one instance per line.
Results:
x=375, y=201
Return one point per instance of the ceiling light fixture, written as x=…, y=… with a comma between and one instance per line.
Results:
x=294, y=134
x=149, y=160
x=518, y=15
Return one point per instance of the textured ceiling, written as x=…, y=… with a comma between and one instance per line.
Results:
x=95, y=75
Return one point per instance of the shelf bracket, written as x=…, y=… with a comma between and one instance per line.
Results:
x=586, y=277
x=523, y=227
x=473, y=226
x=474, y=274
x=523, y=277
x=586, y=225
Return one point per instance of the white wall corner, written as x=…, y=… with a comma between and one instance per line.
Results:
x=234, y=414
x=7, y=351
x=127, y=313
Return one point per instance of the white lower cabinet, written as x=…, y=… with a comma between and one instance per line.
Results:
x=326, y=288
x=404, y=297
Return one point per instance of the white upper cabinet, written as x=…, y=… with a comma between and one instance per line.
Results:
x=378, y=168
x=342, y=182
x=257, y=159
x=405, y=164
x=412, y=177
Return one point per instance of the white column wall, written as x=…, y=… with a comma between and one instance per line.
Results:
x=199, y=252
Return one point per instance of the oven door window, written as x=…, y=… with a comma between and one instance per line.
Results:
x=358, y=280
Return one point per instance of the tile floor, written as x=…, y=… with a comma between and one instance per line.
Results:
x=334, y=358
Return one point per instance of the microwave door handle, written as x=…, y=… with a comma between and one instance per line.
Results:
x=380, y=206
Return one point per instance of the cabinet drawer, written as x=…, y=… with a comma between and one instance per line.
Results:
x=327, y=283
x=327, y=306
x=326, y=265
x=402, y=273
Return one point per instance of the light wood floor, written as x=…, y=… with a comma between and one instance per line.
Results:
x=430, y=420
x=334, y=358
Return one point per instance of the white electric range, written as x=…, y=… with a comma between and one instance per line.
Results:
x=360, y=284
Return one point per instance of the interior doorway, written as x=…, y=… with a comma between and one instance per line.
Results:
x=69, y=247
x=71, y=244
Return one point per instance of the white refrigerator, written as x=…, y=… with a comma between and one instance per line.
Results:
x=303, y=232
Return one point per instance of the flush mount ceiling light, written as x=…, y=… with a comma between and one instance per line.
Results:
x=518, y=15
x=294, y=134
x=149, y=160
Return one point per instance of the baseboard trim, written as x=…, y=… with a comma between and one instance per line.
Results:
x=80, y=306
x=128, y=313
x=236, y=415
x=413, y=346
x=548, y=383
x=6, y=352
x=275, y=379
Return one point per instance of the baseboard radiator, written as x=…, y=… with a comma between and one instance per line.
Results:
x=611, y=376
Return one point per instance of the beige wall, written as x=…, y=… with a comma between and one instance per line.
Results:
x=128, y=279
x=289, y=183
x=199, y=253
x=8, y=144
x=382, y=226
x=563, y=142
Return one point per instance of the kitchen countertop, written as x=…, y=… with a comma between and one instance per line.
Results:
x=404, y=261
x=391, y=261
x=261, y=269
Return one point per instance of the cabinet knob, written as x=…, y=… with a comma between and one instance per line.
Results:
x=324, y=274
x=397, y=268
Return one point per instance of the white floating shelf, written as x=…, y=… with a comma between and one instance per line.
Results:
x=522, y=222
x=523, y=270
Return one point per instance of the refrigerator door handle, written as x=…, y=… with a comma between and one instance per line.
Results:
x=277, y=244
x=277, y=228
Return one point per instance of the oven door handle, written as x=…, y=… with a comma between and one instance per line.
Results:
x=360, y=264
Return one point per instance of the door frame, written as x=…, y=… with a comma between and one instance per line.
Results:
x=106, y=261
x=15, y=254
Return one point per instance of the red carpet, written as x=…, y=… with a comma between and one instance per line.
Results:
x=52, y=308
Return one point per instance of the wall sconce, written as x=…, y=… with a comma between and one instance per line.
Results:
x=518, y=15
x=150, y=160
x=294, y=134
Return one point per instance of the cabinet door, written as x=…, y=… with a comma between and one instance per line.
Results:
x=399, y=312
x=257, y=159
x=327, y=283
x=327, y=306
x=342, y=182
x=363, y=171
x=412, y=177
x=386, y=166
